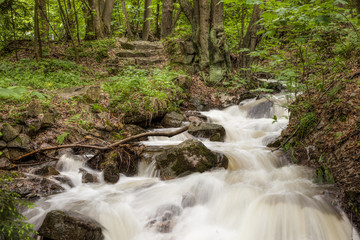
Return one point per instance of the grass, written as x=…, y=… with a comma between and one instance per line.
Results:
x=47, y=74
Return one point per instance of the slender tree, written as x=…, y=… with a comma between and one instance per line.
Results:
x=37, y=40
x=146, y=24
x=126, y=18
x=166, y=20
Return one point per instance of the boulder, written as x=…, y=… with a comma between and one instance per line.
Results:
x=46, y=171
x=4, y=163
x=33, y=126
x=21, y=141
x=34, y=108
x=261, y=110
x=111, y=172
x=64, y=225
x=187, y=157
x=48, y=120
x=13, y=153
x=34, y=187
x=90, y=94
x=2, y=144
x=208, y=130
x=88, y=177
x=172, y=119
x=9, y=133
x=165, y=218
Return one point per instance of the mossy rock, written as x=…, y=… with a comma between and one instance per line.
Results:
x=214, y=132
x=187, y=157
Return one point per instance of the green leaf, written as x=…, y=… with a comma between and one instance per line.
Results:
x=60, y=139
x=13, y=92
x=323, y=19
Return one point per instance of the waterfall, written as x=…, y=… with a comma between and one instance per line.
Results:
x=261, y=196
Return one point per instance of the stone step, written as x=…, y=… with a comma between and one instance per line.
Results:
x=139, y=53
x=143, y=60
x=141, y=45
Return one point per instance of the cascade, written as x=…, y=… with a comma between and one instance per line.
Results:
x=260, y=196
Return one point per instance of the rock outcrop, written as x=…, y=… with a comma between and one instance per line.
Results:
x=65, y=225
x=214, y=132
x=187, y=157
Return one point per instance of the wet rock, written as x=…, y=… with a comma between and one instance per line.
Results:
x=21, y=141
x=9, y=133
x=111, y=172
x=34, y=187
x=208, y=130
x=187, y=157
x=261, y=110
x=64, y=225
x=34, y=108
x=4, y=163
x=272, y=141
x=88, y=177
x=188, y=200
x=131, y=130
x=172, y=119
x=64, y=180
x=165, y=218
x=46, y=171
x=2, y=144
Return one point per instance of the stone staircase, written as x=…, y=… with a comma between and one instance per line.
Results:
x=141, y=53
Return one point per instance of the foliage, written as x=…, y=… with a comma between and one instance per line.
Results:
x=61, y=138
x=135, y=86
x=46, y=74
x=12, y=222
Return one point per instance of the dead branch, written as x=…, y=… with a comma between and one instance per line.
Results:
x=104, y=148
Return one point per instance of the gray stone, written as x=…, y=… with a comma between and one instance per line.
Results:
x=172, y=119
x=188, y=200
x=111, y=173
x=21, y=141
x=33, y=126
x=145, y=45
x=208, y=130
x=165, y=217
x=88, y=177
x=2, y=144
x=34, y=108
x=261, y=110
x=4, y=163
x=46, y=171
x=48, y=120
x=187, y=157
x=9, y=132
x=13, y=153
x=188, y=47
x=34, y=187
x=64, y=180
x=64, y=225
x=90, y=94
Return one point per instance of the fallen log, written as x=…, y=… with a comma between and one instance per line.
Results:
x=108, y=147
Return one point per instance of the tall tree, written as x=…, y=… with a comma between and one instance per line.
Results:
x=146, y=24
x=166, y=19
x=208, y=36
x=37, y=39
x=126, y=18
x=106, y=16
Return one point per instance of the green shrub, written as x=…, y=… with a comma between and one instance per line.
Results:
x=12, y=222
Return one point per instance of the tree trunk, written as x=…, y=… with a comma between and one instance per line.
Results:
x=44, y=24
x=37, y=40
x=251, y=40
x=146, y=24
x=208, y=37
x=89, y=21
x=106, y=16
x=157, y=29
x=357, y=5
x=204, y=33
x=127, y=23
x=166, y=19
x=176, y=18
x=98, y=24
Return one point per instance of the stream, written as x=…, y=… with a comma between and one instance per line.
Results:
x=261, y=196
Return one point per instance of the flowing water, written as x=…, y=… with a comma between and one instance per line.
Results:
x=261, y=196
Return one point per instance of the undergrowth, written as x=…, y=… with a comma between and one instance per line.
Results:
x=137, y=88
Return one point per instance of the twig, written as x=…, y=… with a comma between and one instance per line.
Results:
x=111, y=146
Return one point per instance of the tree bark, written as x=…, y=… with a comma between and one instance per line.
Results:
x=127, y=23
x=204, y=11
x=176, y=18
x=166, y=19
x=146, y=24
x=44, y=24
x=157, y=29
x=89, y=21
x=251, y=40
x=106, y=16
x=37, y=40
